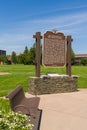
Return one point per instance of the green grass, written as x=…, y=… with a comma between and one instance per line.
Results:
x=81, y=71
x=5, y=105
x=20, y=74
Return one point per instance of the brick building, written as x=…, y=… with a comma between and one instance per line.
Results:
x=79, y=57
x=2, y=53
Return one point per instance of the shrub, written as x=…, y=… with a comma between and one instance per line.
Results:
x=84, y=61
x=14, y=121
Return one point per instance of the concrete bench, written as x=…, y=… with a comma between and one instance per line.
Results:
x=19, y=102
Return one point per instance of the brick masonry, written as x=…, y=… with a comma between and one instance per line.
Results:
x=50, y=85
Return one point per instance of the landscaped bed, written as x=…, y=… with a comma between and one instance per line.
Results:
x=10, y=120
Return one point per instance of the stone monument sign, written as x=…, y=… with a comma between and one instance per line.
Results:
x=54, y=49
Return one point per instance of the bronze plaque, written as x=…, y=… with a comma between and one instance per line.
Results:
x=53, y=53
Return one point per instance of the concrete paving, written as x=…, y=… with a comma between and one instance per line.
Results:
x=64, y=111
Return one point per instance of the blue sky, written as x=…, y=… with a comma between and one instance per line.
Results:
x=21, y=19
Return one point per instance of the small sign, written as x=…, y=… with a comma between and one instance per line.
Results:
x=54, y=45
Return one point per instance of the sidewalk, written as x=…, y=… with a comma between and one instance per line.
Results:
x=64, y=111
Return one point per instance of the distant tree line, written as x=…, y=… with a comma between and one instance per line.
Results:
x=83, y=61
x=28, y=57
x=3, y=58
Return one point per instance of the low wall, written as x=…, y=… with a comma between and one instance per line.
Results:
x=55, y=84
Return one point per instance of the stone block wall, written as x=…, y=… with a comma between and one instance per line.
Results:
x=49, y=85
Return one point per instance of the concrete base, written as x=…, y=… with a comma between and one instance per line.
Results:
x=49, y=84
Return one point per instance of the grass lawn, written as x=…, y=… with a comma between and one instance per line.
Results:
x=19, y=74
x=5, y=105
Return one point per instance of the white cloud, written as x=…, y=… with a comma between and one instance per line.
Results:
x=57, y=10
x=18, y=37
x=5, y=38
x=70, y=20
x=79, y=17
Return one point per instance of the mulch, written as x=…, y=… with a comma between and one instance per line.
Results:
x=36, y=121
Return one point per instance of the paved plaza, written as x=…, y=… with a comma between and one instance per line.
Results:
x=64, y=111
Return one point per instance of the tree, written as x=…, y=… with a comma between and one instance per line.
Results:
x=32, y=54
x=72, y=57
x=84, y=61
x=14, y=57
x=26, y=51
x=20, y=59
x=41, y=54
x=3, y=58
x=26, y=56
